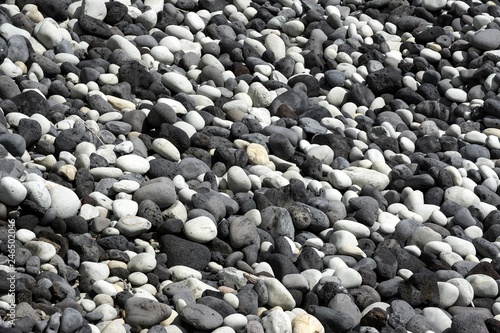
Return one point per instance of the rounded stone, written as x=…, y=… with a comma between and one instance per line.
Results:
x=200, y=229
x=133, y=163
x=65, y=202
x=93, y=270
x=201, y=316
x=43, y=250
x=448, y=294
x=278, y=294
x=12, y=192
x=131, y=226
x=142, y=262
x=145, y=312
x=237, y=180
x=125, y=207
x=483, y=285
x=177, y=82
x=465, y=290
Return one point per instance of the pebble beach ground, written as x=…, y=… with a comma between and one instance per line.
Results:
x=249, y=166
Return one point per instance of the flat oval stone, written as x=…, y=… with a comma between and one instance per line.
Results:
x=138, y=278
x=124, y=207
x=237, y=180
x=201, y=317
x=142, y=262
x=106, y=172
x=488, y=39
x=293, y=28
x=183, y=272
x=145, y=312
x=200, y=229
x=119, y=42
x=274, y=43
x=339, y=180
x=462, y=196
x=361, y=176
x=104, y=287
x=133, y=163
x=306, y=323
x=236, y=321
x=25, y=235
x=278, y=294
x=12, y=192
x=130, y=226
x=166, y=149
x=357, y=229
x=483, y=285
x=456, y=95
x=323, y=153
x=43, y=250
x=160, y=190
x=177, y=82
x=126, y=186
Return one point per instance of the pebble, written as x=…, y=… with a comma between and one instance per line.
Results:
x=166, y=149
x=201, y=316
x=44, y=251
x=123, y=208
x=448, y=294
x=488, y=39
x=237, y=180
x=177, y=83
x=306, y=323
x=360, y=176
x=142, y=262
x=103, y=287
x=106, y=311
x=483, y=285
x=462, y=196
x=117, y=42
x=464, y=322
x=160, y=190
x=138, y=278
x=12, y=191
x=145, y=312
x=456, y=95
x=200, y=229
x=465, y=291
x=182, y=272
x=277, y=321
x=460, y=246
x=93, y=270
x=64, y=201
x=71, y=320
x=133, y=163
x=278, y=295
x=130, y=226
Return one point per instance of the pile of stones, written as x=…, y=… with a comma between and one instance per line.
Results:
x=250, y=166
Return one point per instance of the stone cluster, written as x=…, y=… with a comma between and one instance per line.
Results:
x=243, y=166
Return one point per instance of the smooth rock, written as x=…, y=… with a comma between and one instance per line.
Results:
x=12, y=192
x=200, y=229
x=361, y=176
x=145, y=312
x=201, y=316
